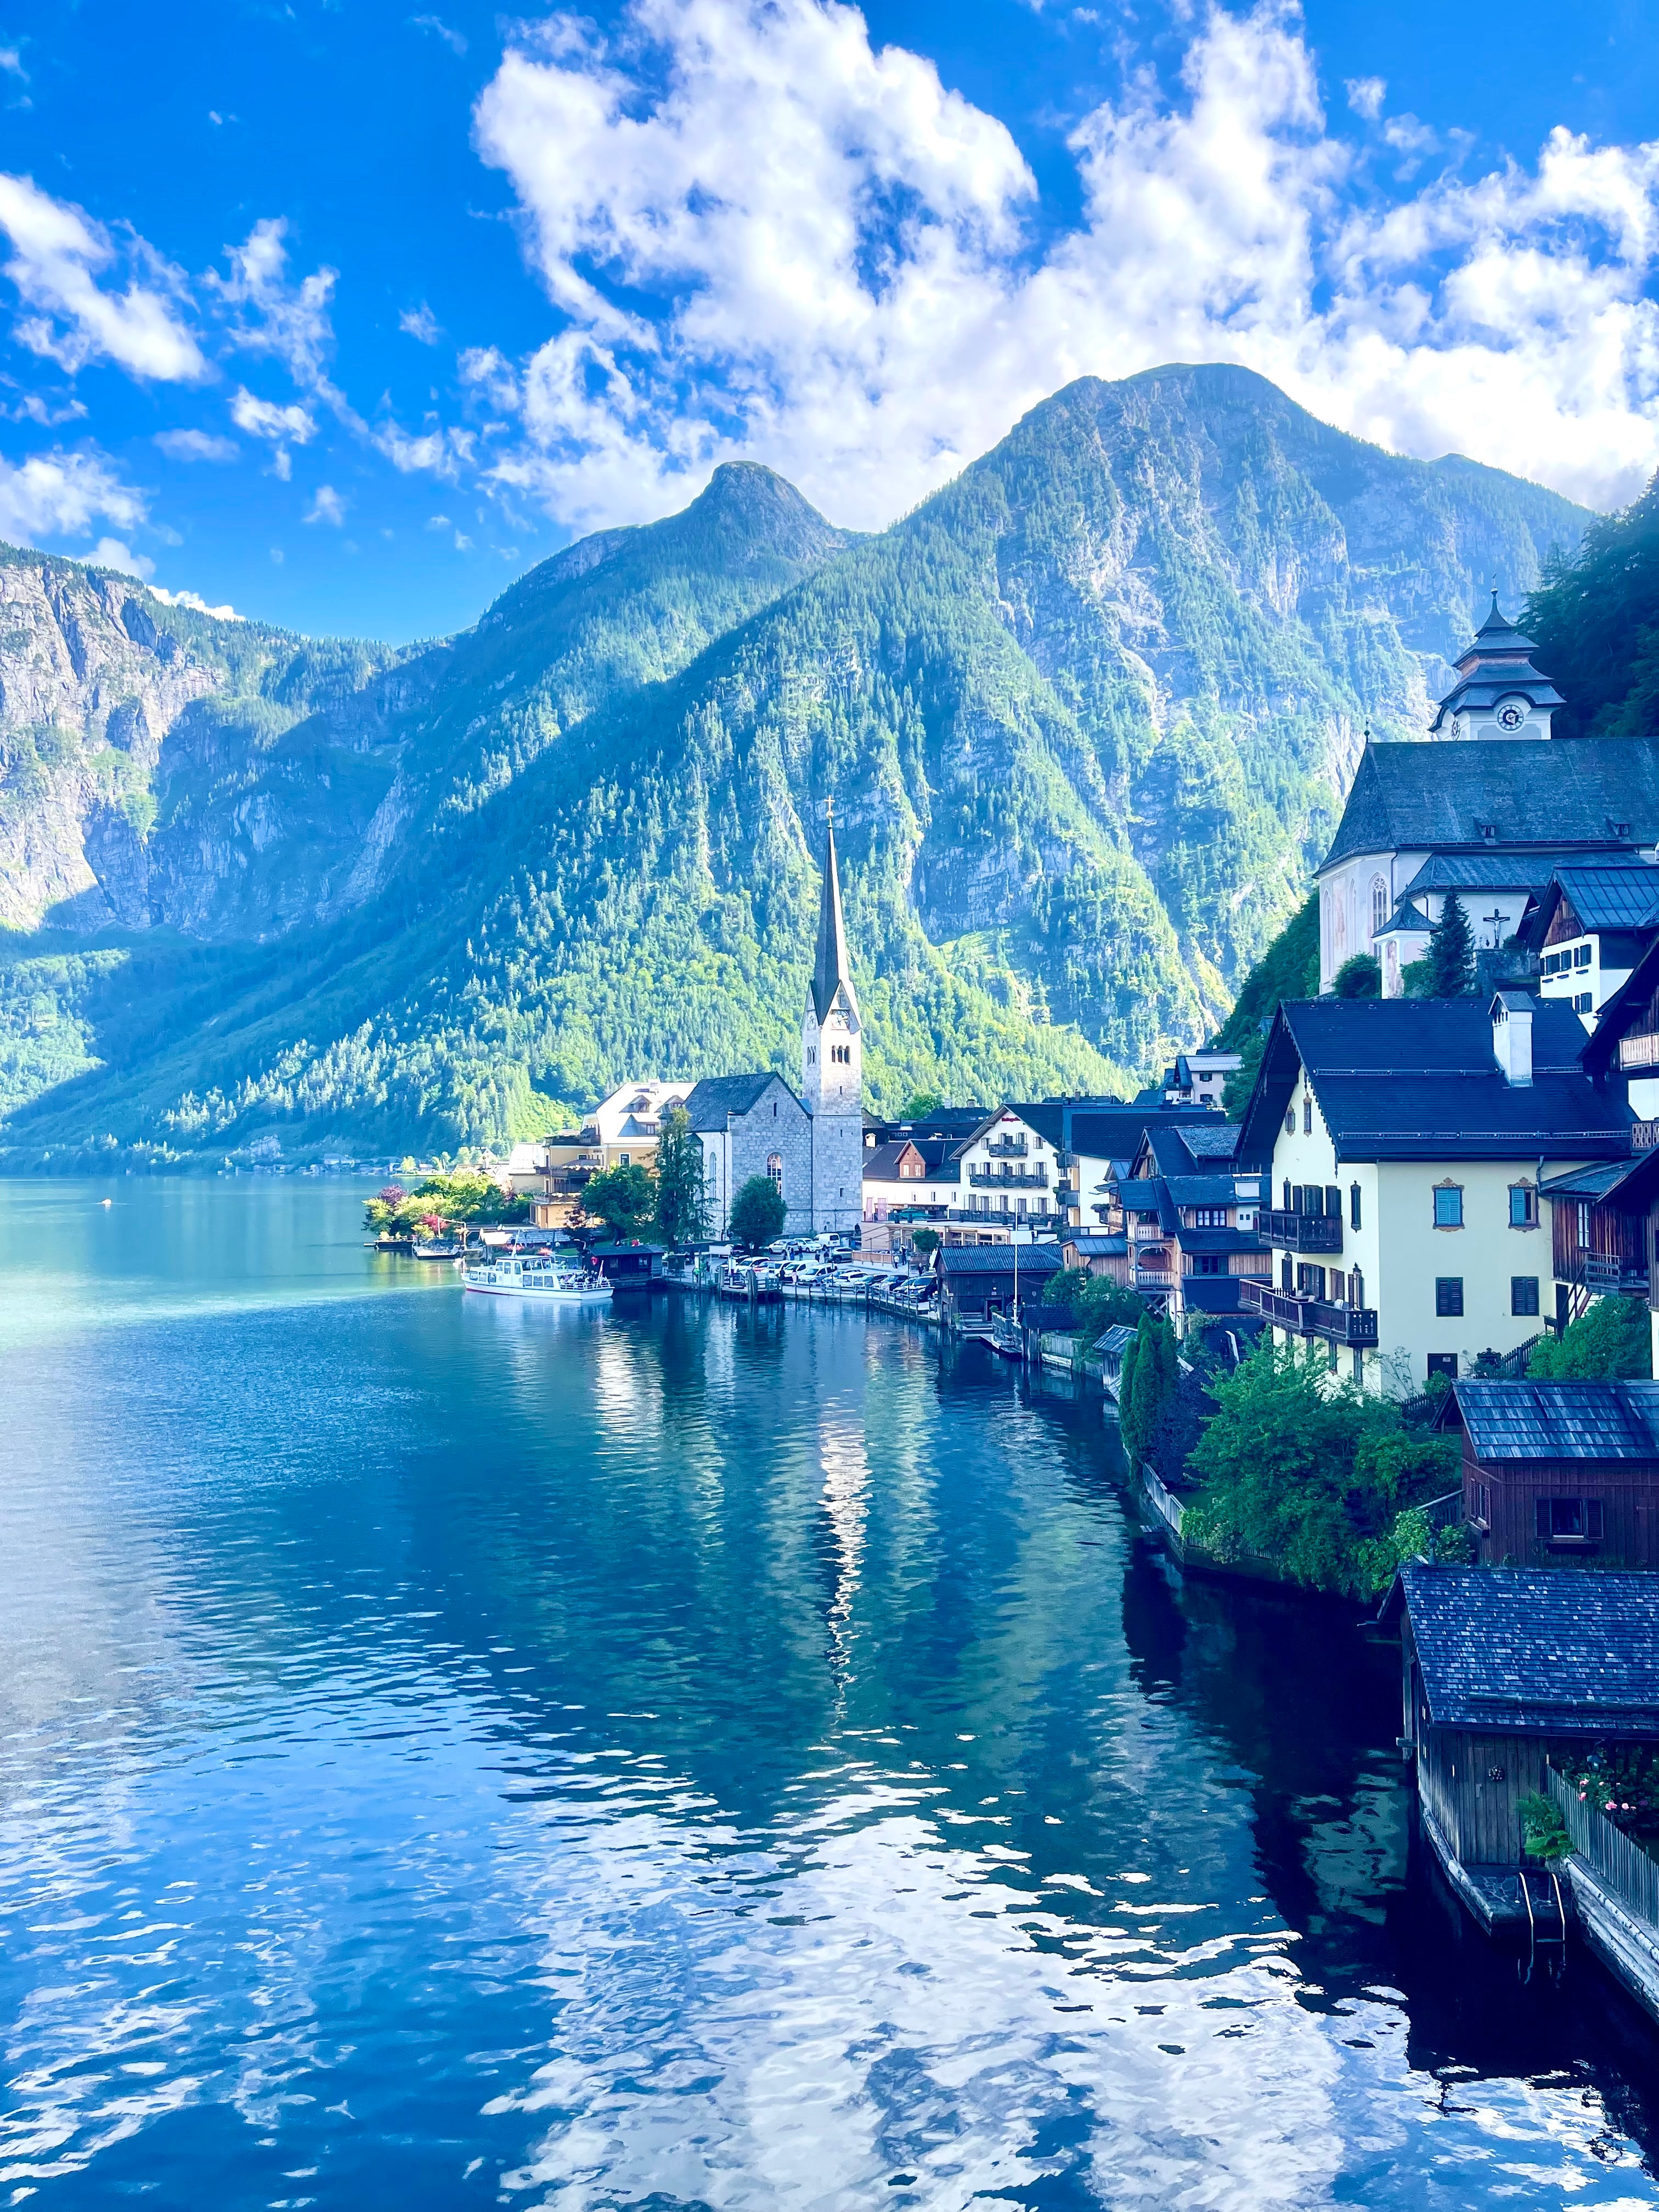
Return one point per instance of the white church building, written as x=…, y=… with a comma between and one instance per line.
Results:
x=1489, y=816
x=812, y=1146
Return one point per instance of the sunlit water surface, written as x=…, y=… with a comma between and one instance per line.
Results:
x=682, y=1758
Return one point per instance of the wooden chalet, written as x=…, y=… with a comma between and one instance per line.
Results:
x=1506, y=1672
x=1556, y=1472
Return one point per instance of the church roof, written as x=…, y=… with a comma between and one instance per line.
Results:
x=832, y=971
x=1596, y=793
x=1497, y=634
x=718, y=1096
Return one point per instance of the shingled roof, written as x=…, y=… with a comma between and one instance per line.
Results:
x=1416, y=1079
x=1543, y=793
x=1555, y=1420
x=717, y=1095
x=1538, y=1649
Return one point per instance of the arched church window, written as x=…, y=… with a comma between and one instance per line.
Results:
x=1379, y=904
x=775, y=1170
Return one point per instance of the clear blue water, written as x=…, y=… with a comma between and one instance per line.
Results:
x=456, y=1755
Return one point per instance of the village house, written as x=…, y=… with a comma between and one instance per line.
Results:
x=621, y=1131
x=1489, y=818
x=1190, y=1225
x=1587, y=928
x=918, y=1177
x=1404, y=1142
x=1558, y=1472
x=1198, y=1078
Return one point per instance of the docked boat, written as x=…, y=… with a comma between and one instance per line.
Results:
x=440, y=1248
x=546, y=1281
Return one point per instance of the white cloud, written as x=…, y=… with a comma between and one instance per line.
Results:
x=112, y=553
x=263, y=418
x=11, y=61
x=194, y=600
x=455, y=40
x=55, y=250
x=420, y=323
x=854, y=293
x=1366, y=95
x=290, y=322
x=438, y=451
x=326, y=506
x=61, y=494
x=197, y=445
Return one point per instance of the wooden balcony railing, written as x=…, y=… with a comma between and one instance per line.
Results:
x=1300, y=1232
x=1641, y=1050
x=1309, y=1316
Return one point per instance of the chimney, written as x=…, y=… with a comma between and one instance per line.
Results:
x=1512, y=1036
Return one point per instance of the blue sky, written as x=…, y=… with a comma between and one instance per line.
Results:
x=342, y=314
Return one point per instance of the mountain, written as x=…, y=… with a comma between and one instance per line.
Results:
x=1086, y=716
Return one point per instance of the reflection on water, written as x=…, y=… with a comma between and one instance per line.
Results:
x=680, y=1757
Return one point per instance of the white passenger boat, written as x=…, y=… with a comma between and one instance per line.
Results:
x=547, y=1281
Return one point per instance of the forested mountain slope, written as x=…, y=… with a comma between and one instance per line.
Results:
x=1085, y=715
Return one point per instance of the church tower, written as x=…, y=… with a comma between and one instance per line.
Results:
x=1499, y=693
x=832, y=1065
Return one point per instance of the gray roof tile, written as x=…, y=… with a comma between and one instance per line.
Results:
x=1552, y=1650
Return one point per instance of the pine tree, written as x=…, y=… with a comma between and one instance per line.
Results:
x=681, y=1208
x=1452, y=953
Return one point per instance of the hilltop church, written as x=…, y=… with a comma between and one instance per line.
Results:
x=811, y=1146
x=1492, y=816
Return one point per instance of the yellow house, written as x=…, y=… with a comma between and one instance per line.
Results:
x=1406, y=1139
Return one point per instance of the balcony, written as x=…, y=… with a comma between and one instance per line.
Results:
x=1605, y=1276
x=1300, y=1232
x=1309, y=1316
x=1010, y=1148
x=1009, y=1178
x=1641, y=1050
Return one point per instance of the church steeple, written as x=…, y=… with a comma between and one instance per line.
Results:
x=831, y=1033
x=831, y=970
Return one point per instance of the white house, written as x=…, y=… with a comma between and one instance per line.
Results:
x=1406, y=1138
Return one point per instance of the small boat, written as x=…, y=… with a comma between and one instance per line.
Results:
x=440, y=1248
x=545, y=1281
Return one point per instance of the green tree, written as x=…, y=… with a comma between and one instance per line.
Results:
x=1596, y=620
x=467, y=1195
x=925, y=1241
x=681, y=1208
x=921, y=1105
x=1309, y=1475
x=1095, y=1301
x=1614, y=1339
x=757, y=1213
x=1450, y=955
x=1150, y=1386
x=623, y=1199
x=1359, y=978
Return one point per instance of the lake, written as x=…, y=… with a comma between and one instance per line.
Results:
x=682, y=1758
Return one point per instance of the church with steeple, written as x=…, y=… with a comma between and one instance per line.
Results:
x=832, y=1063
x=811, y=1146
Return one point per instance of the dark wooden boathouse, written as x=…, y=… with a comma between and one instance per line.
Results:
x=1500, y=1666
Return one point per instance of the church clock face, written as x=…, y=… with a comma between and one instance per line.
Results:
x=1511, y=715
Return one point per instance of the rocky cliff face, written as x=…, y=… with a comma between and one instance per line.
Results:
x=1086, y=717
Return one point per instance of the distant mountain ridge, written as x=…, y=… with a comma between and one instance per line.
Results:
x=1086, y=716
